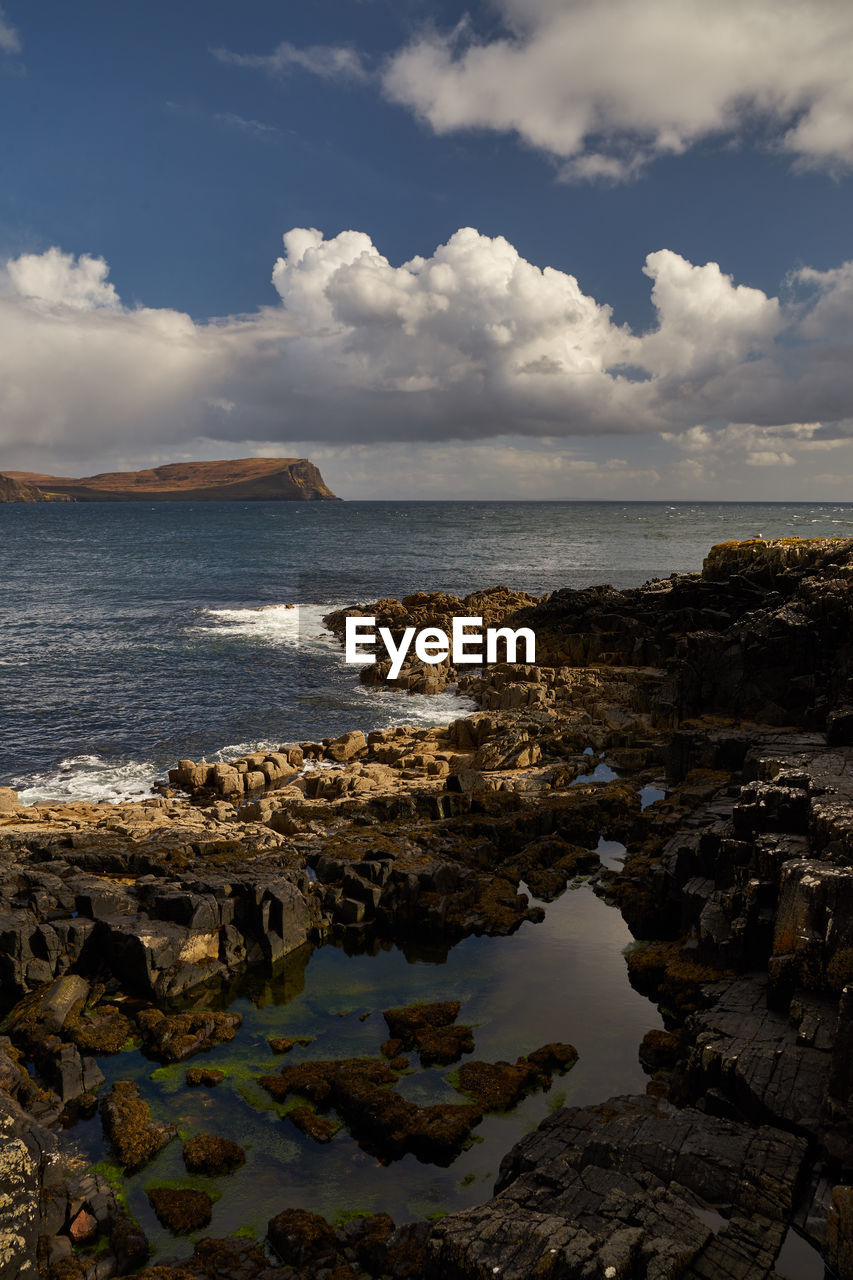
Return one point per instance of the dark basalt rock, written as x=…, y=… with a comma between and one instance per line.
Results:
x=128, y=1243
x=739, y=885
x=301, y=1238
x=660, y=1049
x=632, y=1185
x=180, y=1210
x=229, y=1259
x=44, y=1025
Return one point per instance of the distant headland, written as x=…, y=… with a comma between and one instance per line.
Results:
x=237, y=479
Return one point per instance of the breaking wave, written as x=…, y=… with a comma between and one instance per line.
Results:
x=88, y=778
x=281, y=625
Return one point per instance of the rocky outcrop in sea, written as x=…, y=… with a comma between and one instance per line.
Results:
x=732, y=690
x=226, y=480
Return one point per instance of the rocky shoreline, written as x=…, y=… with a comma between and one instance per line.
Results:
x=735, y=686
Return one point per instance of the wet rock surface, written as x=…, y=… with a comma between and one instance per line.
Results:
x=737, y=685
x=634, y=1184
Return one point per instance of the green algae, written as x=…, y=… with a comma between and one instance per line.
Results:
x=499, y=982
x=172, y=1076
x=114, y=1174
x=249, y=1231
x=350, y=1215
x=191, y=1182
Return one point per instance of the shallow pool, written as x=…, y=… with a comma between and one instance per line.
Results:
x=562, y=979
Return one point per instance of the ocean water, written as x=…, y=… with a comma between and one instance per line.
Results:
x=135, y=634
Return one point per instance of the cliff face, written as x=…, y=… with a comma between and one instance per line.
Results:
x=239, y=479
x=12, y=490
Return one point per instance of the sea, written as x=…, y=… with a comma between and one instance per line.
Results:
x=133, y=635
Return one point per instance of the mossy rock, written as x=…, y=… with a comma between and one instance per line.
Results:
x=207, y=1077
x=429, y=1029
x=302, y=1239
x=205, y=1153
x=130, y=1128
x=175, y=1036
x=105, y=1030
x=320, y=1128
x=284, y=1044
x=180, y=1211
x=669, y=974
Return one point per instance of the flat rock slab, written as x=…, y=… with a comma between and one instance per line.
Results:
x=751, y=1054
x=634, y=1185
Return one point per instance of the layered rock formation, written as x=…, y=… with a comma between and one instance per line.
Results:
x=237, y=480
x=734, y=685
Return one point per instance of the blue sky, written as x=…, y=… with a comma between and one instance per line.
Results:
x=179, y=142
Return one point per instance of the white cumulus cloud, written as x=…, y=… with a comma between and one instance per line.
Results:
x=605, y=86
x=59, y=280
x=470, y=344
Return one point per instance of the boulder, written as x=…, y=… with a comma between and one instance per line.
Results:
x=206, y=1153
x=348, y=745
x=8, y=800
x=182, y=1209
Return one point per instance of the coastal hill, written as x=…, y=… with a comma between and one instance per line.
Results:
x=237, y=479
x=14, y=490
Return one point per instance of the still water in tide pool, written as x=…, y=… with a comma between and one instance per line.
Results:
x=562, y=979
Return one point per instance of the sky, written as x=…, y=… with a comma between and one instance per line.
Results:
x=514, y=249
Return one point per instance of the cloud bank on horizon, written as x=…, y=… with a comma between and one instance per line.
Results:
x=469, y=345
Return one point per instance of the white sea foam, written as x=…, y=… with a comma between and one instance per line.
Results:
x=88, y=778
x=420, y=710
x=236, y=750
x=282, y=625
